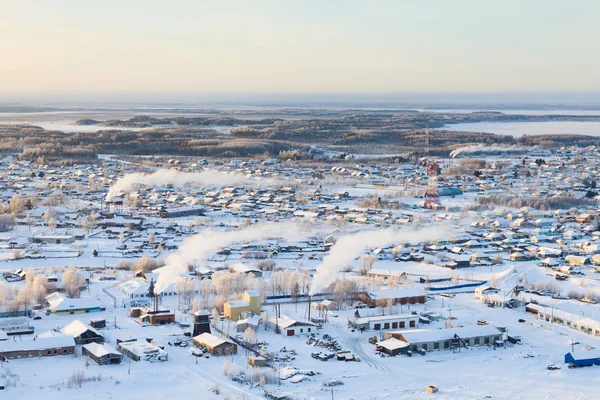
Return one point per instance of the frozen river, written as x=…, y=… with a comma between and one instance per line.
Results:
x=529, y=128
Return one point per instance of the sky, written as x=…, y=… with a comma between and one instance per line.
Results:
x=310, y=46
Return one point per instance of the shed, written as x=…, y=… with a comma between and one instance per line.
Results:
x=214, y=345
x=393, y=346
x=257, y=361
x=582, y=359
x=102, y=354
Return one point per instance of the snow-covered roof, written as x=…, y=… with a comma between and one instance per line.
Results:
x=40, y=343
x=238, y=303
x=100, y=350
x=242, y=268
x=383, y=318
x=209, y=340
x=76, y=328
x=422, y=335
x=6, y=322
x=60, y=302
x=565, y=315
x=285, y=322
x=396, y=293
x=393, y=344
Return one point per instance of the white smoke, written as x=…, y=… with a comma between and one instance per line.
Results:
x=175, y=178
x=197, y=247
x=347, y=248
x=482, y=147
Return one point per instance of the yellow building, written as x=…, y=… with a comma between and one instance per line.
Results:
x=250, y=303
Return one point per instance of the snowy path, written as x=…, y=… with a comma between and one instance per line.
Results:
x=223, y=383
x=355, y=345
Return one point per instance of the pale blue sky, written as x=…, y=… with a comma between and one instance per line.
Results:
x=325, y=46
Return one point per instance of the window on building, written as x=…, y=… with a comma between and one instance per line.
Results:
x=446, y=344
x=386, y=325
x=436, y=346
x=377, y=327
x=394, y=325
x=55, y=352
x=309, y=329
x=64, y=351
x=49, y=352
x=476, y=341
x=402, y=325
x=411, y=324
x=486, y=340
x=301, y=330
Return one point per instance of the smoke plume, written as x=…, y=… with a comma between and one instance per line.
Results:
x=175, y=178
x=197, y=247
x=482, y=147
x=347, y=248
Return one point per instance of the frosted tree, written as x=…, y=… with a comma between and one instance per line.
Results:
x=17, y=204
x=215, y=315
x=48, y=215
x=52, y=224
x=40, y=288
x=250, y=335
x=251, y=281
x=30, y=276
x=25, y=297
x=72, y=282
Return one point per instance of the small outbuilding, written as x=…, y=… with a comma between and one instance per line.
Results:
x=102, y=354
x=582, y=359
x=214, y=345
x=393, y=346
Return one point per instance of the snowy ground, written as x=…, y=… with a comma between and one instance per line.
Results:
x=517, y=372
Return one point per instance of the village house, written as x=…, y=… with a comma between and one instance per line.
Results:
x=482, y=292
x=40, y=347
x=290, y=327
x=395, y=296
x=249, y=304
x=16, y=326
x=82, y=333
x=383, y=322
x=58, y=303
